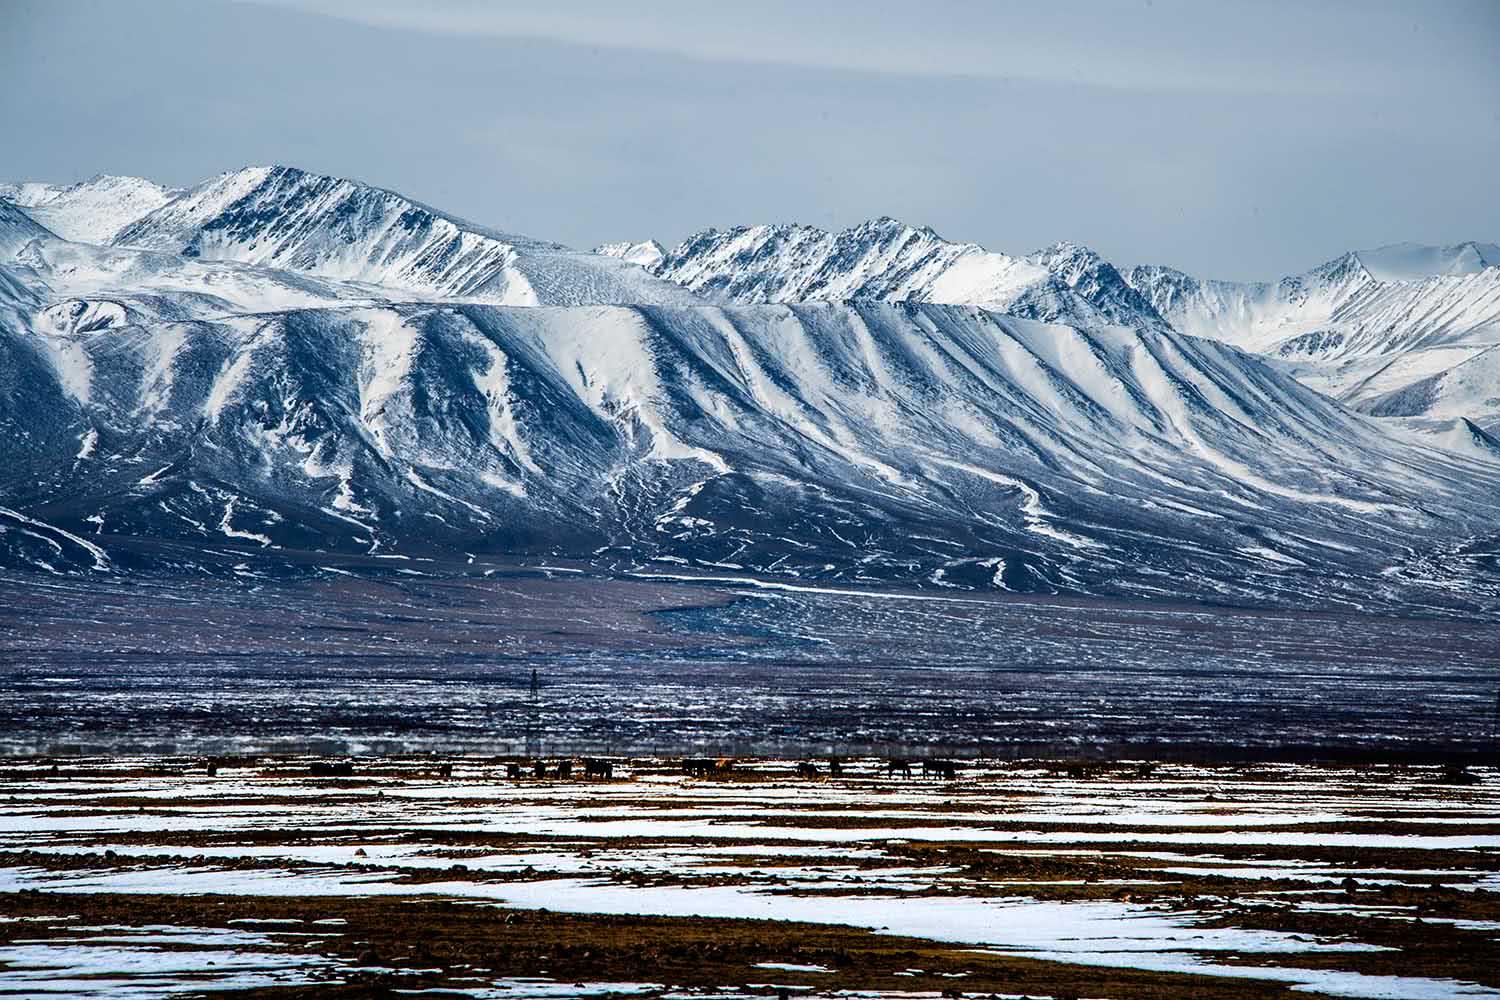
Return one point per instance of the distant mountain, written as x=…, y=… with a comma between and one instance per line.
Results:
x=648, y=254
x=1394, y=346
x=1386, y=330
x=92, y=211
x=288, y=218
x=890, y=261
x=1347, y=293
x=276, y=367
x=1414, y=261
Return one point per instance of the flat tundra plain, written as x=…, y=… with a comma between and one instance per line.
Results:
x=292, y=876
x=661, y=664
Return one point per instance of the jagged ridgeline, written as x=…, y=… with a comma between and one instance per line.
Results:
x=276, y=364
x=1403, y=331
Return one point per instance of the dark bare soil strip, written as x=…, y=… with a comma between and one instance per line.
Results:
x=1431, y=909
x=425, y=944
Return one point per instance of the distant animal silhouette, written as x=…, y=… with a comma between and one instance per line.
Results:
x=807, y=769
x=332, y=769
x=703, y=767
x=564, y=769
x=939, y=769
x=539, y=769
x=894, y=767
x=1458, y=774
x=595, y=767
x=513, y=770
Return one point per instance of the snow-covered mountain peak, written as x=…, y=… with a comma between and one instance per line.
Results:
x=1417, y=261
x=1346, y=270
x=887, y=259
x=647, y=254
x=1404, y=330
x=1076, y=264
x=91, y=211
x=1064, y=254
x=288, y=218
x=788, y=262
x=279, y=358
x=887, y=226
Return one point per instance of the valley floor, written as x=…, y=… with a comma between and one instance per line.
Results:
x=427, y=658
x=445, y=876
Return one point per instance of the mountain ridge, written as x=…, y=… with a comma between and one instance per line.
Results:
x=1337, y=326
x=232, y=382
x=346, y=230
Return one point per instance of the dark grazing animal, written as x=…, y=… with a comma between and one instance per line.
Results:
x=539, y=769
x=564, y=769
x=332, y=769
x=835, y=767
x=939, y=769
x=894, y=767
x=595, y=767
x=807, y=769
x=513, y=770
x=703, y=767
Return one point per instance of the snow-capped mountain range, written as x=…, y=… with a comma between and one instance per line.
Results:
x=277, y=363
x=91, y=211
x=887, y=260
x=1401, y=331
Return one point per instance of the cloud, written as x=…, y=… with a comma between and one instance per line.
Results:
x=1148, y=45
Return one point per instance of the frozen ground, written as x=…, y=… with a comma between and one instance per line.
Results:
x=1373, y=881
x=635, y=666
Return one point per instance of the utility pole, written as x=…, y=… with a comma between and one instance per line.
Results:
x=532, y=743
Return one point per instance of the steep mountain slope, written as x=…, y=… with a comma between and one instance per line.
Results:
x=276, y=365
x=17, y=229
x=92, y=211
x=1351, y=329
x=1375, y=328
x=1343, y=296
x=888, y=260
x=942, y=445
x=287, y=218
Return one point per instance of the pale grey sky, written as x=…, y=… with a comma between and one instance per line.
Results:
x=1238, y=139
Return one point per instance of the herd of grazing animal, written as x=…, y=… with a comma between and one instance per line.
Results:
x=944, y=770
x=720, y=767
x=562, y=770
x=603, y=769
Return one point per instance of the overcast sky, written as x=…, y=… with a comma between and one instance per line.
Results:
x=1236, y=140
